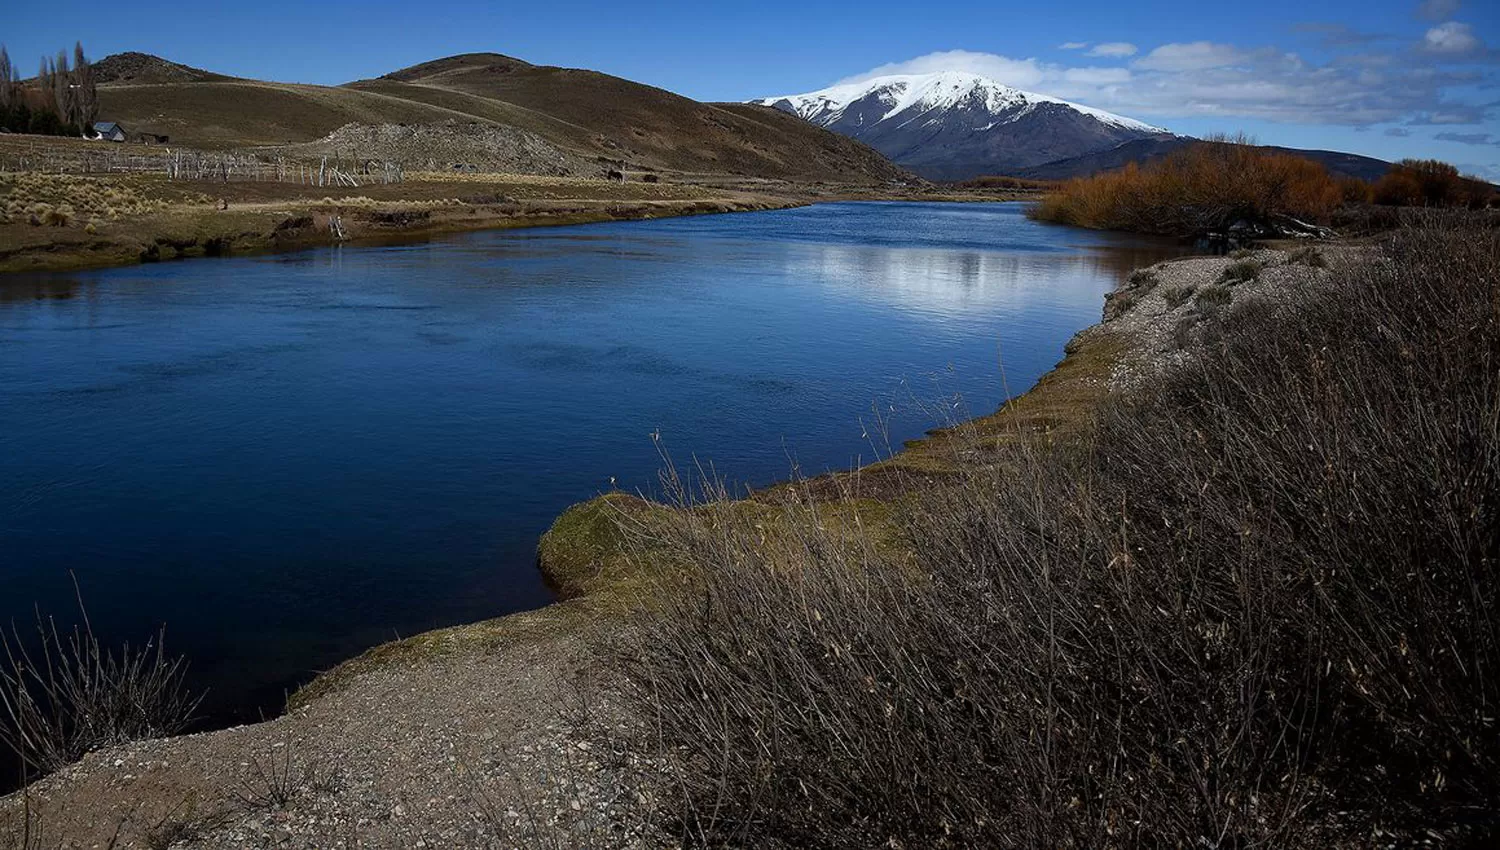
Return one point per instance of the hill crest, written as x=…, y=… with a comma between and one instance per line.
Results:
x=137, y=68
x=497, y=62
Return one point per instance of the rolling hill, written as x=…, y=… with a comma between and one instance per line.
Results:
x=603, y=119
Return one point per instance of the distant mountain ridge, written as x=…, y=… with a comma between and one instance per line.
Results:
x=954, y=125
x=1143, y=151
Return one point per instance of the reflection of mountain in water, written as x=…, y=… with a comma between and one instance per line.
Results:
x=973, y=285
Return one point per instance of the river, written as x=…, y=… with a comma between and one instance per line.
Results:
x=289, y=458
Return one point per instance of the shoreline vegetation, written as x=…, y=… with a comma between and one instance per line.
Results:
x=1225, y=574
x=1224, y=192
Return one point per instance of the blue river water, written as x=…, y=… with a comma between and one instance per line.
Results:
x=289, y=458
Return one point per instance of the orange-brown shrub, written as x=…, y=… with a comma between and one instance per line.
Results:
x=1204, y=187
x=1430, y=183
x=1357, y=191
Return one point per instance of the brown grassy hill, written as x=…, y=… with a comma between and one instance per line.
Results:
x=644, y=125
x=585, y=113
x=248, y=112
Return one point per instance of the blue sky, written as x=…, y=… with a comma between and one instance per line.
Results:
x=1389, y=78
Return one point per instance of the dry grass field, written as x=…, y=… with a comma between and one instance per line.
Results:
x=65, y=221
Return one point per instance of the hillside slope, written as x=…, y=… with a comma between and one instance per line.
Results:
x=248, y=112
x=591, y=117
x=643, y=125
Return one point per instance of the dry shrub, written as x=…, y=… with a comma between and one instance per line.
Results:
x=1204, y=187
x=60, y=216
x=63, y=694
x=1430, y=183
x=1255, y=608
x=275, y=780
x=1307, y=256
x=1356, y=191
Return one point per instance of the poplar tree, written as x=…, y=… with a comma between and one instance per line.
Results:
x=7, y=81
x=85, y=90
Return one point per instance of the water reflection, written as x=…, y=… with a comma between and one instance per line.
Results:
x=23, y=290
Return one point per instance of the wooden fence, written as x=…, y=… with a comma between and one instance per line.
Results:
x=189, y=164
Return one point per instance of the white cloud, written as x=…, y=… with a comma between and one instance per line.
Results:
x=1190, y=56
x=1095, y=76
x=1437, y=10
x=1229, y=82
x=1452, y=38
x=1014, y=72
x=1073, y=45
x=1114, y=49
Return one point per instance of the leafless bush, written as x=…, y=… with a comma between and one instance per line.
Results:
x=1256, y=607
x=275, y=780
x=64, y=694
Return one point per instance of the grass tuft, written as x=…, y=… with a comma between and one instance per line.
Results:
x=1242, y=271
x=1212, y=295
x=1176, y=295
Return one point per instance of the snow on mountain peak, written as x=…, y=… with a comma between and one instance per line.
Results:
x=913, y=95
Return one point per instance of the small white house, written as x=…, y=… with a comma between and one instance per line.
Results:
x=109, y=131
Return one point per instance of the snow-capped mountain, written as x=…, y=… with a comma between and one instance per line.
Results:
x=953, y=125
